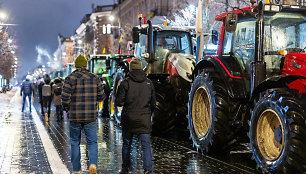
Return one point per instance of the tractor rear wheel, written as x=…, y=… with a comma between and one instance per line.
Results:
x=210, y=114
x=164, y=118
x=277, y=133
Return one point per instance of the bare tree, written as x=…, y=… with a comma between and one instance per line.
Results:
x=7, y=65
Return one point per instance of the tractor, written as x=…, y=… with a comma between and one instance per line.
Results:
x=166, y=54
x=255, y=86
x=105, y=66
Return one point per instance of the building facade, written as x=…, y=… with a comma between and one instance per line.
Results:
x=94, y=35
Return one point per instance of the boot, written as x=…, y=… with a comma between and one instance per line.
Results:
x=92, y=169
x=46, y=117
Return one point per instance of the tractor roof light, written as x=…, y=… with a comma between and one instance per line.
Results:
x=272, y=8
x=283, y=52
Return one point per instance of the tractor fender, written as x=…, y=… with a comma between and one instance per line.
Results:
x=234, y=84
x=274, y=82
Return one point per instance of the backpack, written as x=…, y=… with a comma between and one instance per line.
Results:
x=58, y=90
x=46, y=90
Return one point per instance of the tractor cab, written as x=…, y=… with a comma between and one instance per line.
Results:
x=284, y=41
x=169, y=45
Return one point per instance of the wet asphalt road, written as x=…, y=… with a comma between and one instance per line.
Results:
x=21, y=149
x=171, y=153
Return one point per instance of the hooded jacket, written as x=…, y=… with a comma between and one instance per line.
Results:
x=137, y=96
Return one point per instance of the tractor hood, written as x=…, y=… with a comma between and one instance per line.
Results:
x=183, y=64
x=295, y=64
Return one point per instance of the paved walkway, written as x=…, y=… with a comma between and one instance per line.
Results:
x=21, y=149
x=31, y=145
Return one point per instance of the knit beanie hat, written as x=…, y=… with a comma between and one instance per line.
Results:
x=80, y=61
x=135, y=64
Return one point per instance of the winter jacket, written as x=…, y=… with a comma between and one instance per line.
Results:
x=137, y=96
x=26, y=87
x=57, y=98
x=41, y=84
x=81, y=92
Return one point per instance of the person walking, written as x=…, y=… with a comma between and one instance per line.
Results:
x=26, y=91
x=47, y=96
x=39, y=88
x=82, y=91
x=137, y=96
x=4, y=89
x=56, y=92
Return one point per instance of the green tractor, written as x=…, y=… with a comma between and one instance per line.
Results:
x=105, y=66
x=98, y=65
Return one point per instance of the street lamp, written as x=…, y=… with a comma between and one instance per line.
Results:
x=111, y=18
x=2, y=15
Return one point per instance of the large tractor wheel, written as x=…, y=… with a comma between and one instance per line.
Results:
x=118, y=78
x=210, y=114
x=164, y=118
x=277, y=133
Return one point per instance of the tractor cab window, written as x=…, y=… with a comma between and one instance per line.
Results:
x=227, y=42
x=142, y=46
x=175, y=42
x=241, y=43
x=99, y=66
x=283, y=31
x=244, y=43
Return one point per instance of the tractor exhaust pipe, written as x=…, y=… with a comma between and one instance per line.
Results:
x=258, y=68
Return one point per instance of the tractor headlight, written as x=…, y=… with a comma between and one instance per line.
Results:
x=272, y=8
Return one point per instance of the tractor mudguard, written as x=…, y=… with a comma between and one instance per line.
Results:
x=235, y=85
x=274, y=82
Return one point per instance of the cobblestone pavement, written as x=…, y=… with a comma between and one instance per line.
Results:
x=21, y=149
x=169, y=156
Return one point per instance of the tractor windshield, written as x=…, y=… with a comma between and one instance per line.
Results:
x=174, y=41
x=283, y=31
x=98, y=66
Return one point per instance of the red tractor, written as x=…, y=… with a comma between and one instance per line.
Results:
x=256, y=85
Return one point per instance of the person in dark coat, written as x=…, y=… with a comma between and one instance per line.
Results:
x=137, y=96
x=26, y=91
x=56, y=92
x=47, y=96
x=39, y=87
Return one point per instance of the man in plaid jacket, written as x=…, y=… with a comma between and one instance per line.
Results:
x=81, y=92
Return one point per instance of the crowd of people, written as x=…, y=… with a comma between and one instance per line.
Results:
x=79, y=94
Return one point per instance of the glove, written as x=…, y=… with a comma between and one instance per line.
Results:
x=66, y=107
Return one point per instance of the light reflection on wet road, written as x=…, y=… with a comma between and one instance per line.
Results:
x=168, y=155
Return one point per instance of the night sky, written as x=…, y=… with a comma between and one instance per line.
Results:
x=40, y=22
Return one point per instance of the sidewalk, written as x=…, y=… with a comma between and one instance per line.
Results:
x=21, y=150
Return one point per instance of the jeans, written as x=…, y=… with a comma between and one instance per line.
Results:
x=47, y=100
x=90, y=130
x=146, y=150
x=59, y=112
x=24, y=99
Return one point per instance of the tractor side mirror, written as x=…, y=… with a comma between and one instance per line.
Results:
x=135, y=34
x=214, y=37
x=231, y=22
x=107, y=63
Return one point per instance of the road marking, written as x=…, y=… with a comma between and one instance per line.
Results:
x=56, y=164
